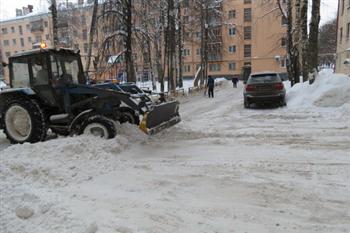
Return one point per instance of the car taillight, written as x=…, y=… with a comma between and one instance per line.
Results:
x=279, y=86
x=250, y=87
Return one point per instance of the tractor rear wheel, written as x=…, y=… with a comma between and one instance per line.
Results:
x=24, y=121
x=99, y=126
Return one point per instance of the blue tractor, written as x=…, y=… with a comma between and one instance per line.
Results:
x=48, y=90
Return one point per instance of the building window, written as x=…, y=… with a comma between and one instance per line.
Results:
x=284, y=62
x=348, y=32
x=4, y=30
x=75, y=33
x=46, y=24
x=198, y=51
x=83, y=20
x=76, y=46
x=22, y=42
x=85, y=47
x=8, y=54
x=284, y=20
x=186, y=68
x=247, y=50
x=28, y=27
x=38, y=39
x=247, y=14
x=341, y=35
x=343, y=7
x=247, y=1
x=248, y=33
x=6, y=43
x=283, y=42
x=29, y=39
x=20, y=30
x=47, y=36
x=85, y=34
x=198, y=34
x=13, y=29
x=232, y=31
x=232, y=48
x=186, y=3
x=214, y=67
x=185, y=52
x=232, y=66
x=14, y=42
x=185, y=19
x=95, y=45
x=232, y=14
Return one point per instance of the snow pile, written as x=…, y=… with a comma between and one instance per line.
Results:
x=329, y=90
x=64, y=160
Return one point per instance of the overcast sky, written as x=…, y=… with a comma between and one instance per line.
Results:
x=7, y=8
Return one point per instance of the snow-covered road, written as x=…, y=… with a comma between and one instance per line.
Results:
x=223, y=169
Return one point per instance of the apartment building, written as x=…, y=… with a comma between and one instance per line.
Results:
x=248, y=33
x=26, y=32
x=343, y=38
x=245, y=33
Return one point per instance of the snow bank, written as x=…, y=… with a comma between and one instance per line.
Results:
x=64, y=160
x=329, y=90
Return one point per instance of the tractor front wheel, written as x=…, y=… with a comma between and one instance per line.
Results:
x=24, y=121
x=99, y=126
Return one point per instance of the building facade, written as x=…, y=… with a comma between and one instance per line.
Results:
x=27, y=32
x=249, y=33
x=343, y=38
x=245, y=33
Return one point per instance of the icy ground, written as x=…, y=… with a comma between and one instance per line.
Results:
x=223, y=169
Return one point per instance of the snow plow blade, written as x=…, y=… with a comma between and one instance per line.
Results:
x=161, y=117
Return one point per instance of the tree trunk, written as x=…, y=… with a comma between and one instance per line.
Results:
x=313, y=37
x=128, y=41
x=91, y=35
x=297, y=44
x=291, y=67
x=304, y=39
x=54, y=22
x=180, y=37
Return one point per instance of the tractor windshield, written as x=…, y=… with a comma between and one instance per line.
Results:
x=65, y=69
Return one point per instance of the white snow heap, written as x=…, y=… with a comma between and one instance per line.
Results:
x=328, y=90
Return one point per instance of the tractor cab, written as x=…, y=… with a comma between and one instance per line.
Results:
x=46, y=71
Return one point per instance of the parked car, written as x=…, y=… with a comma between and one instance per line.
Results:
x=264, y=88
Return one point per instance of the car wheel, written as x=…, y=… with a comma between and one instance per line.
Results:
x=246, y=104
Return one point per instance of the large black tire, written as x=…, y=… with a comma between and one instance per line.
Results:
x=98, y=125
x=35, y=122
x=129, y=117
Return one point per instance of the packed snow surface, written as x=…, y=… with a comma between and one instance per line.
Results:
x=222, y=169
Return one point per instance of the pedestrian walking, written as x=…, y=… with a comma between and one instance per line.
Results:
x=234, y=82
x=210, y=86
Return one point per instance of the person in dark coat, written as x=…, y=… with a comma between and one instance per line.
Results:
x=234, y=82
x=210, y=86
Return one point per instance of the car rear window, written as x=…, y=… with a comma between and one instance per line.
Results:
x=264, y=78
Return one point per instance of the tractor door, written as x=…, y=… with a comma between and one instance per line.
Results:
x=39, y=72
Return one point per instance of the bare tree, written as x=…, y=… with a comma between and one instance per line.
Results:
x=53, y=8
x=313, y=37
x=91, y=34
x=327, y=43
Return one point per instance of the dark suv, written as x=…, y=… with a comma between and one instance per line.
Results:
x=264, y=88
